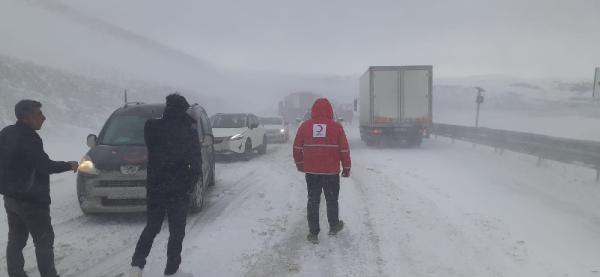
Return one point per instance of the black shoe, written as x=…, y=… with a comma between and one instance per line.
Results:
x=313, y=238
x=333, y=230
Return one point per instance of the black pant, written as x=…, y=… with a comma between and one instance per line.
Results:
x=176, y=209
x=330, y=184
x=26, y=218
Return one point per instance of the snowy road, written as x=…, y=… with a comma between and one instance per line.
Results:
x=440, y=210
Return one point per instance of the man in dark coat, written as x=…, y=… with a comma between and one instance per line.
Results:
x=25, y=183
x=174, y=167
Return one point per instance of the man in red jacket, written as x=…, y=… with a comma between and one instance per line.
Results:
x=319, y=148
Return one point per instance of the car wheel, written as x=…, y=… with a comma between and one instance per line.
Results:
x=197, y=198
x=263, y=148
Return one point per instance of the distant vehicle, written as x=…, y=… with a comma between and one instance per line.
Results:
x=346, y=112
x=308, y=115
x=276, y=128
x=294, y=105
x=238, y=133
x=395, y=104
x=112, y=175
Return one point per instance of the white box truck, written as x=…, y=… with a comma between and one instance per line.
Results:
x=395, y=104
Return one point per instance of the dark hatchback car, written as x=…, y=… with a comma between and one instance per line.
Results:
x=112, y=175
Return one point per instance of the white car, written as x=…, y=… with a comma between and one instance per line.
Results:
x=276, y=128
x=238, y=133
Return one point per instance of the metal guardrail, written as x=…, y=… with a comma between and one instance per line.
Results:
x=579, y=152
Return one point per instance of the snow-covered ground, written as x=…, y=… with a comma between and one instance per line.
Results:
x=440, y=210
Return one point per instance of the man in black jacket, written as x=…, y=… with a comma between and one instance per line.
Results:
x=25, y=182
x=174, y=167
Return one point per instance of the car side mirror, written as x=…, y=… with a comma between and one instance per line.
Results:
x=340, y=119
x=92, y=140
x=253, y=126
x=298, y=120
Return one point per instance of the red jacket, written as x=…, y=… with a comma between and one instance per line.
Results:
x=321, y=145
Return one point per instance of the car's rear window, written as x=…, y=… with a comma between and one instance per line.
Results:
x=271, y=121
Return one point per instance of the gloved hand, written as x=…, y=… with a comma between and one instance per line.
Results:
x=300, y=167
x=346, y=172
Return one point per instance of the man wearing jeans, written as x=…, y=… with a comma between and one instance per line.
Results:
x=25, y=182
x=319, y=149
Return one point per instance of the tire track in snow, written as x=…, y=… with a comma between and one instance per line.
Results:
x=116, y=263
x=354, y=252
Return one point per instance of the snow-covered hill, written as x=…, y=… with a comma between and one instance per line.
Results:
x=67, y=98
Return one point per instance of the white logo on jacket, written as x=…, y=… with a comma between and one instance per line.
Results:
x=319, y=130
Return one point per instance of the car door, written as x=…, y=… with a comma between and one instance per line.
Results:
x=252, y=131
x=260, y=131
x=255, y=132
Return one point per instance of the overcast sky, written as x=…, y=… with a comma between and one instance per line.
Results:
x=544, y=38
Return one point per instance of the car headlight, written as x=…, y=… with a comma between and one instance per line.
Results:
x=282, y=130
x=237, y=137
x=87, y=166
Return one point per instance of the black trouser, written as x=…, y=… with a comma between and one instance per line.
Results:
x=330, y=185
x=26, y=218
x=176, y=209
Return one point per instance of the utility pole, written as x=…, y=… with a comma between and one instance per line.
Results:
x=479, y=101
x=596, y=91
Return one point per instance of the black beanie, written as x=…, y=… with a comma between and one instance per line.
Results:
x=177, y=101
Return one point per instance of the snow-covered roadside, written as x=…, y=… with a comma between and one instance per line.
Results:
x=451, y=210
x=551, y=124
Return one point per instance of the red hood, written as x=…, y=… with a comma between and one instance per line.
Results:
x=322, y=109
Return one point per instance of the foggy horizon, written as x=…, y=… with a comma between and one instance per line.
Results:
x=465, y=39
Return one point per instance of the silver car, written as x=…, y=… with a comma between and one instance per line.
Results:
x=112, y=175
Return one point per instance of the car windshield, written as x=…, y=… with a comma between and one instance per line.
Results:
x=271, y=121
x=229, y=121
x=124, y=130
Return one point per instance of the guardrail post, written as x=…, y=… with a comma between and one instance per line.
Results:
x=597, y=174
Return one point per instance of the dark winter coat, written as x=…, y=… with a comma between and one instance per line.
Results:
x=174, y=154
x=24, y=166
x=321, y=145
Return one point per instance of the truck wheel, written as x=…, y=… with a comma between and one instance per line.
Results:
x=415, y=141
x=263, y=148
x=370, y=142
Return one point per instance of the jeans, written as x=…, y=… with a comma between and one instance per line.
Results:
x=330, y=185
x=26, y=218
x=175, y=208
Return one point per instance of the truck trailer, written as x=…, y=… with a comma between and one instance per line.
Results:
x=395, y=104
x=296, y=104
